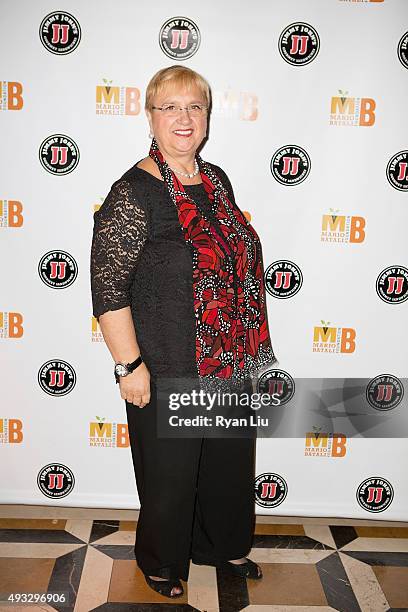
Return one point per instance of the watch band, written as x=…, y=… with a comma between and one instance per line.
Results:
x=130, y=367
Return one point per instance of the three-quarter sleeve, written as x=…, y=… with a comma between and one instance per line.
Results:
x=119, y=234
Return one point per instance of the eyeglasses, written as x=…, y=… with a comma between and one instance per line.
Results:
x=171, y=110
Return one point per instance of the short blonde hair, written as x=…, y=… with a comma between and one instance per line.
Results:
x=176, y=76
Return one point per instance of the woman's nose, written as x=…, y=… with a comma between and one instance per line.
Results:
x=183, y=116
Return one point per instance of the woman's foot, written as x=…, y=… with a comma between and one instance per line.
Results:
x=244, y=567
x=169, y=588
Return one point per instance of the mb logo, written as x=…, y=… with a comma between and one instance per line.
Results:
x=333, y=339
x=341, y=228
x=11, y=325
x=108, y=434
x=11, y=95
x=115, y=100
x=323, y=444
x=11, y=431
x=11, y=213
x=345, y=110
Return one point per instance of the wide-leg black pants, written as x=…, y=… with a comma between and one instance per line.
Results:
x=196, y=496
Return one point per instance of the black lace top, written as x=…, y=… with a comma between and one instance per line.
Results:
x=139, y=258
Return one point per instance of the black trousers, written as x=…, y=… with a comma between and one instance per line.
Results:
x=196, y=496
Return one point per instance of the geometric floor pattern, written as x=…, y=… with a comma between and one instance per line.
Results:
x=309, y=565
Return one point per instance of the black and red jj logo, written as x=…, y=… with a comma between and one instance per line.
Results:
x=179, y=38
x=270, y=490
x=299, y=44
x=397, y=171
x=290, y=165
x=60, y=33
x=384, y=392
x=59, y=154
x=56, y=377
x=57, y=269
x=375, y=494
x=392, y=285
x=55, y=480
x=402, y=50
x=279, y=383
x=283, y=279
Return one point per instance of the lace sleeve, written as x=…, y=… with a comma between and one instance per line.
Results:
x=119, y=234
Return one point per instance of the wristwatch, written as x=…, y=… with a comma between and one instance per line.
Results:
x=122, y=369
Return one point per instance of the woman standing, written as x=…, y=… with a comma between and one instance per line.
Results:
x=177, y=286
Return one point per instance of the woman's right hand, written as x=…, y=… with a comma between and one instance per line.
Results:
x=135, y=387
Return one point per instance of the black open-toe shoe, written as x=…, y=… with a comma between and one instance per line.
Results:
x=165, y=587
x=245, y=570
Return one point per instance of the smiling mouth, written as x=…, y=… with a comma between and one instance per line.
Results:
x=184, y=133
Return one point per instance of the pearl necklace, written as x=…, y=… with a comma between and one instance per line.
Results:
x=188, y=174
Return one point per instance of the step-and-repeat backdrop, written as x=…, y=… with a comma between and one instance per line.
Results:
x=309, y=120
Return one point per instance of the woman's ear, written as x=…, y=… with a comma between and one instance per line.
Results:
x=149, y=118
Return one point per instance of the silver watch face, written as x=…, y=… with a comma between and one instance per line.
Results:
x=121, y=370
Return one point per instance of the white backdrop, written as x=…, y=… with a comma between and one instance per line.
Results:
x=264, y=99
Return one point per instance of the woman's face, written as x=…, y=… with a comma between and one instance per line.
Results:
x=179, y=136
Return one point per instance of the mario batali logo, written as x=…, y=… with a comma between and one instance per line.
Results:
x=11, y=96
x=327, y=339
x=342, y=228
x=11, y=213
x=11, y=325
x=117, y=100
x=11, y=431
x=347, y=111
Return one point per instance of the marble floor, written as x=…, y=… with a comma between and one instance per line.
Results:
x=313, y=565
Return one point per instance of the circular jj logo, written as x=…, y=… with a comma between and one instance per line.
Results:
x=397, y=171
x=59, y=154
x=60, y=33
x=56, y=377
x=402, y=50
x=375, y=494
x=299, y=44
x=57, y=269
x=283, y=279
x=290, y=165
x=179, y=38
x=270, y=490
x=277, y=382
x=384, y=392
x=55, y=480
x=392, y=285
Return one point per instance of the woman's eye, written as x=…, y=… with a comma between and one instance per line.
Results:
x=169, y=107
x=194, y=106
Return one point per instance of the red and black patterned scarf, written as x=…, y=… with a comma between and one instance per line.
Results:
x=232, y=336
